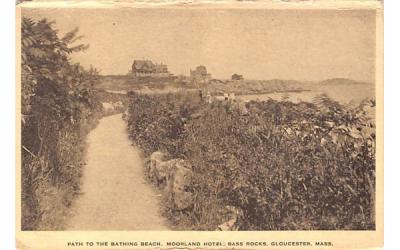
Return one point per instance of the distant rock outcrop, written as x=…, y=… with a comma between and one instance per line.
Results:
x=341, y=81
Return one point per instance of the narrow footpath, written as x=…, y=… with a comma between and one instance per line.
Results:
x=115, y=195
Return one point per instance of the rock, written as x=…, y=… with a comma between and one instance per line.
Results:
x=107, y=106
x=174, y=177
x=234, y=214
x=162, y=170
x=178, y=184
x=289, y=131
x=156, y=159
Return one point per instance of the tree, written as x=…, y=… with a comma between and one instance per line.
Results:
x=57, y=99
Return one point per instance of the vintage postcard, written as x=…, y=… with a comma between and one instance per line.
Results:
x=199, y=125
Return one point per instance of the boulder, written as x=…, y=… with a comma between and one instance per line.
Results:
x=174, y=177
x=107, y=106
x=233, y=215
x=162, y=170
x=182, y=180
x=178, y=184
x=156, y=159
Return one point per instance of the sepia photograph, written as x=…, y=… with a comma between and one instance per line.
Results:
x=198, y=118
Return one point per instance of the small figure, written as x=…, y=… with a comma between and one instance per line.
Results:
x=242, y=108
x=232, y=96
x=208, y=97
x=226, y=96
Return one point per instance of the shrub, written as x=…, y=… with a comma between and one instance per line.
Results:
x=306, y=166
x=58, y=109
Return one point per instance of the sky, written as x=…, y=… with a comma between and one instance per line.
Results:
x=306, y=45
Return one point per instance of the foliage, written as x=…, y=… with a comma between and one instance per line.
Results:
x=306, y=166
x=58, y=108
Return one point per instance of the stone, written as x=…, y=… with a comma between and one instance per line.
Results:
x=182, y=181
x=156, y=158
x=174, y=177
x=233, y=215
x=178, y=184
x=162, y=170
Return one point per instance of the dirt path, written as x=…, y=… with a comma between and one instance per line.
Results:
x=115, y=194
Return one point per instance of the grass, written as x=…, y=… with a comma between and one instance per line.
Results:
x=53, y=159
x=51, y=171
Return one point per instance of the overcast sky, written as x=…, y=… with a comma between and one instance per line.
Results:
x=260, y=44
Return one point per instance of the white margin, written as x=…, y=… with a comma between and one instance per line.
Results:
x=391, y=124
x=7, y=125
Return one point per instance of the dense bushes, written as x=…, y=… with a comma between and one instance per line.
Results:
x=306, y=166
x=58, y=109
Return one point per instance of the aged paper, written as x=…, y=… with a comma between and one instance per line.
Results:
x=199, y=125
